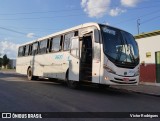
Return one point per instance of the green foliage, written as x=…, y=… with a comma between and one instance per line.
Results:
x=5, y=60
x=0, y=62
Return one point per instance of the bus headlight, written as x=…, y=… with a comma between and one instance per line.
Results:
x=136, y=73
x=109, y=69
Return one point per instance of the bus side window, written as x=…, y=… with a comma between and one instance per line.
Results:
x=67, y=38
x=76, y=33
x=20, y=51
x=61, y=42
x=43, y=47
x=24, y=50
x=30, y=49
x=48, y=45
x=27, y=50
x=56, y=44
x=34, y=49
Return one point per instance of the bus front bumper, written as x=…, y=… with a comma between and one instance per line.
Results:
x=113, y=79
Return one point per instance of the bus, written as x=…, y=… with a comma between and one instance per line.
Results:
x=93, y=53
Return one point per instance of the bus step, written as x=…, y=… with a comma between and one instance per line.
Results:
x=88, y=81
x=87, y=78
x=88, y=73
x=86, y=67
x=86, y=64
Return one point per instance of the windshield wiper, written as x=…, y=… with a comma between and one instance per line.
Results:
x=131, y=54
x=119, y=54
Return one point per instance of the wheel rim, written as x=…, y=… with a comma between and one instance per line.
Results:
x=29, y=74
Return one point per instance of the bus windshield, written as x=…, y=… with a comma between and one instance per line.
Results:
x=120, y=46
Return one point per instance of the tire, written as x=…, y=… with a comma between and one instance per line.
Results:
x=72, y=84
x=30, y=75
x=102, y=86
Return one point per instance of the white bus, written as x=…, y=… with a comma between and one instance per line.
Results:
x=91, y=52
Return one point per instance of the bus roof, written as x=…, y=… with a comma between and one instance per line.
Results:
x=68, y=30
x=65, y=31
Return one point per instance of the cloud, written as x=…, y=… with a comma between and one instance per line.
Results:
x=9, y=48
x=129, y=3
x=99, y=8
x=117, y=11
x=95, y=8
x=30, y=35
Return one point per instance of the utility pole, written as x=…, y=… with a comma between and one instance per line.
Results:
x=138, y=24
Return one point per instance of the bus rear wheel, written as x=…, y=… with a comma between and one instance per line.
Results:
x=70, y=83
x=30, y=75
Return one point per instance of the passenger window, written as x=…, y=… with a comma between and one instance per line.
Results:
x=34, y=49
x=27, y=50
x=30, y=49
x=75, y=46
x=20, y=51
x=67, y=38
x=43, y=47
x=76, y=33
x=56, y=44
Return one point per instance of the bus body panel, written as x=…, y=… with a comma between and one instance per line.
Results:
x=96, y=63
x=22, y=64
x=52, y=65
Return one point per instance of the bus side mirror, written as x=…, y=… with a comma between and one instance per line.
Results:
x=96, y=35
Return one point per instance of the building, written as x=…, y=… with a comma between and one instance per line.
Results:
x=149, y=50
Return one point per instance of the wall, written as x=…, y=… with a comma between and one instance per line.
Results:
x=148, y=44
x=148, y=67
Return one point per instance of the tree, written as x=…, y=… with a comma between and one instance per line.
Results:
x=5, y=60
x=0, y=62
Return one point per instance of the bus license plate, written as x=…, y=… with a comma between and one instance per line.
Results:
x=126, y=79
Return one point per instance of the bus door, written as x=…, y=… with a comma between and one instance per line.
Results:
x=86, y=58
x=74, y=61
x=90, y=58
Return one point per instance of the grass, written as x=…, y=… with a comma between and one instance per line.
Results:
x=7, y=69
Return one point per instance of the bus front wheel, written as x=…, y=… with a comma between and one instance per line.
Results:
x=72, y=84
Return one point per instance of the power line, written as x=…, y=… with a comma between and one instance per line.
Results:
x=143, y=22
x=45, y=17
x=66, y=10
x=15, y=31
x=135, y=18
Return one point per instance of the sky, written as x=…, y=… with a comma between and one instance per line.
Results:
x=24, y=20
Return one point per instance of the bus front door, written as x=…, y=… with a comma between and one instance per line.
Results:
x=74, y=61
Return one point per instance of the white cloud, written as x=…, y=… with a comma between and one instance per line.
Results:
x=30, y=35
x=95, y=8
x=117, y=11
x=129, y=3
x=99, y=8
x=9, y=48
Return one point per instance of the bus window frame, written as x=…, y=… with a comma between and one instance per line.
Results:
x=26, y=54
x=20, y=54
x=34, y=52
x=44, y=49
x=75, y=32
